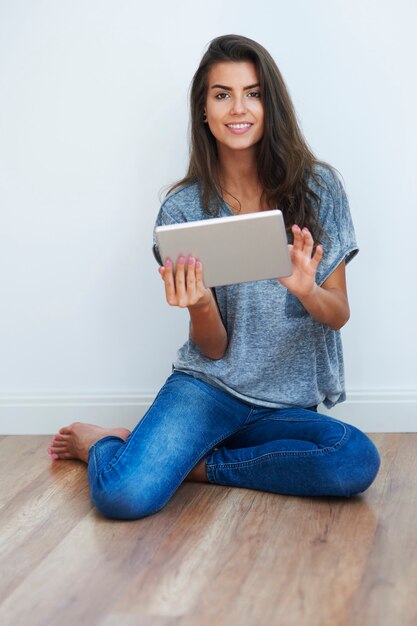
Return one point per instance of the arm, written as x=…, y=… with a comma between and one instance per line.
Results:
x=207, y=329
x=327, y=304
x=187, y=289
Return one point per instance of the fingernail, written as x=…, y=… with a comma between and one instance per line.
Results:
x=168, y=263
x=198, y=264
x=190, y=259
x=54, y=456
x=181, y=260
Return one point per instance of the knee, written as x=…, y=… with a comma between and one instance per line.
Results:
x=123, y=503
x=359, y=463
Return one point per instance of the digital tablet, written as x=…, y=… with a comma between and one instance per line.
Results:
x=235, y=249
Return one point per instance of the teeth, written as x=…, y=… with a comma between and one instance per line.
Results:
x=239, y=125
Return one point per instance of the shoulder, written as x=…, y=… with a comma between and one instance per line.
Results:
x=333, y=207
x=326, y=180
x=182, y=205
x=187, y=193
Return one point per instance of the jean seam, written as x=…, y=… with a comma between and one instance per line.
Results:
x=113, y=464
x=92, y=454
x=127, y=444
x=245, y=423
x=286, y=453
x=210, y=473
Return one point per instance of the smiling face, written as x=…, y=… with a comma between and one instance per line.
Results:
x=234, y=108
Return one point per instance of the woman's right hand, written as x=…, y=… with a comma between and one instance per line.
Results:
x=185, y=288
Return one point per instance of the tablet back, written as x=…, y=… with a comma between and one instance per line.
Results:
x=235, y=249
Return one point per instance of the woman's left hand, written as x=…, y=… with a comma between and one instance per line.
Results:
x=302, y=281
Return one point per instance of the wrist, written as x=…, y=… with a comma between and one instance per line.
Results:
x=308, y=295
x=203, y=305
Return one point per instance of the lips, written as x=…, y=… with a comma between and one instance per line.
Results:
x=239, y=126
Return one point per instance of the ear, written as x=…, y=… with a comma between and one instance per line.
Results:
x=204, y=115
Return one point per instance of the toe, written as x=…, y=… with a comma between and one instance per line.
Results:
x=61, y=438
x=66, y=430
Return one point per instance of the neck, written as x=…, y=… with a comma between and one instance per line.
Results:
x=237, y=168
x=238, y=177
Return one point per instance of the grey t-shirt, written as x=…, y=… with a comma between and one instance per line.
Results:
x=277, y=355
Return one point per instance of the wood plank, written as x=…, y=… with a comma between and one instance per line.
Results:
x=387, y=594
x=36, y=519
x=99, y=556
x=191, y=555
x=21, y=459
x=213, y=554
x=271, y=552
x=317, y=540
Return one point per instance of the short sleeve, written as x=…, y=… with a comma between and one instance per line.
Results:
x=338, y=240
x=163, y=218
x=180, y=206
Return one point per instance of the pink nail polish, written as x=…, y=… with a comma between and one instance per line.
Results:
x=181, y=260
x=54, y=456
x=168, y=263
x=198, y=264
x=190, y=259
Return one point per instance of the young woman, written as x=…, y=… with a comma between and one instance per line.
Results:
x=240, y=408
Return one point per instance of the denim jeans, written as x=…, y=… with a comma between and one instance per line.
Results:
x=291, y=451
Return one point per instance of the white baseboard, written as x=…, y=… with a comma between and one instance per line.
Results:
x=379, y=411
x=35, y=414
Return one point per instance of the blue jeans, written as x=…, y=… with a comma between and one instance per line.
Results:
x=287, y=451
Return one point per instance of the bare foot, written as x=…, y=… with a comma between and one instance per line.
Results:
x=75, y=440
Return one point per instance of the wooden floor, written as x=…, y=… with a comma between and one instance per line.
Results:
x=213, y=555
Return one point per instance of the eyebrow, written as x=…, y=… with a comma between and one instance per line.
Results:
x=231, y=88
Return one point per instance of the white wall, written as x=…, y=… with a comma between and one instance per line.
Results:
x=93, y=123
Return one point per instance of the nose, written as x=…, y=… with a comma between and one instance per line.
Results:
x=238, y=105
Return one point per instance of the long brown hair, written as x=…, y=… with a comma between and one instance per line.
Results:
x=285, y=162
